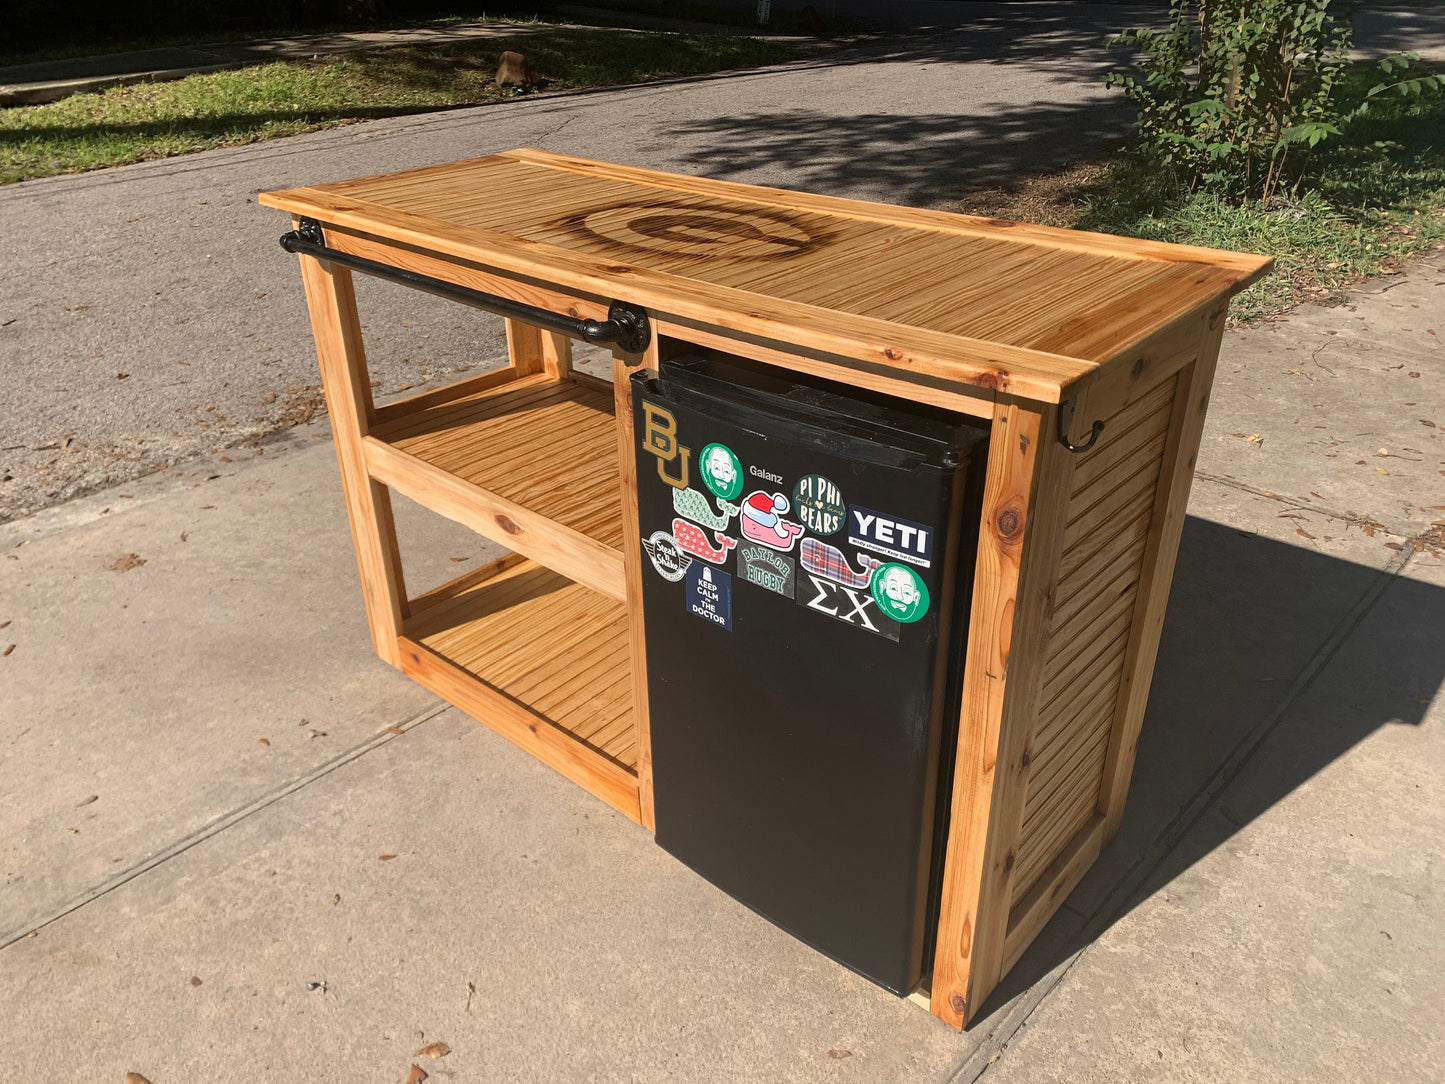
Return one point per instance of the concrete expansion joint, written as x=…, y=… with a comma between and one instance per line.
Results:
x=219, y=824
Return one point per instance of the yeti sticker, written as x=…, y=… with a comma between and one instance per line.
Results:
x=900, y=539
x=846, y=604
x=721, y=472
x=696, y=507
x=668, y=561
x=900, y=593
x=762, y=521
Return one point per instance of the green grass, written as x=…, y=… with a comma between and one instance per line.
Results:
x=157, y=120
x=1369, y=202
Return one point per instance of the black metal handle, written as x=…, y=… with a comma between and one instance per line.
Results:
x=626, y=325
x=1066, y=422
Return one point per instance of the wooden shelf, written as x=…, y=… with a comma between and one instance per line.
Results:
x=531, y=463
x=540, y=659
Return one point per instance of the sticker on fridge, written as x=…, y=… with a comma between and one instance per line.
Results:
x=721, y=472
x=851, y=605
x=900, y=593
x=694, y=540
x=892, y=536
x=659, y=438
x=819, y=504
x=668, y=560
x=767, y=569
x=762, y=520
x=822, y=559
x=710, y=595
x=694, y=505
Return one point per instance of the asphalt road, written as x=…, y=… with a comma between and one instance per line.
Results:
x=147, y=314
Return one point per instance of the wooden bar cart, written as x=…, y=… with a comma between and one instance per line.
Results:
x=1091, y=356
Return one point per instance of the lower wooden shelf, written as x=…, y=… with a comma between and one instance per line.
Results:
x=540, y=659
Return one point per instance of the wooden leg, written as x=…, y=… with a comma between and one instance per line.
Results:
x=533, y=350
x=623, y=366
x=1172, y=497
x=1019, y=539
x=332, y=301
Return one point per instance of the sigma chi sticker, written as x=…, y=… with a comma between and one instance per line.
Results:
x=693, y=540
x=819, y=504
x=762, y=521
x=768, y=570
x=900, y=539
x=696, y=507
x=659, y=438
x=850, y=605
x=827, y=561
x=900, y=593
x=710, y=595
x=668, y=561
x=721, y=472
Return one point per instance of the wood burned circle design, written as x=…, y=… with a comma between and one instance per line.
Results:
x=697, y=230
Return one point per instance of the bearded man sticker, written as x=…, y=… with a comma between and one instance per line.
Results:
x=721, y=472
x=899, y=592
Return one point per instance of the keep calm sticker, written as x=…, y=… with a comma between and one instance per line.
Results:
x=710, y=595
x=819, y=504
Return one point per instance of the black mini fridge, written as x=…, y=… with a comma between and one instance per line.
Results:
x=804, y=545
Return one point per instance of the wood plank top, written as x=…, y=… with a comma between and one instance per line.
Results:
x=1002, y=306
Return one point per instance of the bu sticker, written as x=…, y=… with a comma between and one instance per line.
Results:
x=900, y=593
x=710, y=595
x=768, y=570
x=695, y=506
x=762, y=521
x=721, y=472
x=847, y=604
x=900, y=539
x=827, y=561
x=694, y=540
x=667, y=559
x=659, y=437
x=819, y=504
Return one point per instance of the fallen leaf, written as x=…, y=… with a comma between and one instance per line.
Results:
x=135, y=1078
x=455, y=560
x=840, y=1053
x=385, y=857
x=1314, y=494
x=8, y=648
x=1255, y=438
x=6, y=624
x=396, y=730
x=416, y=1076
x=1289, y=515
x=87, y=801
x=1393, y=546
x=1239, y=435
x=335, y=899
x=207, y=507
x=265, y=741
x=195, y=980
x=125, y=562
x=1413, y=374
x=121, y=376
x=1304, y=533
x=1381, y=470
x=433, y=1050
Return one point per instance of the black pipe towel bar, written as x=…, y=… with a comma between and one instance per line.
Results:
x=626, y=325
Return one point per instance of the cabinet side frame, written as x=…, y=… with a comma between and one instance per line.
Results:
x=1019, y=536
x=331, y=299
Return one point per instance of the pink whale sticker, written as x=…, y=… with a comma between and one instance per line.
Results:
x=830, y=562
x=693, y=540
x=762, y=521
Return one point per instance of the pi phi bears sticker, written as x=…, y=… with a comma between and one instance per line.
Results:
x=762, y=521
x=693, y=505
x=710, y=595
x=899, y=592
x=694, y=540
x=895, y=537
x=819, y=504
x=668, y=561
x=721, y=472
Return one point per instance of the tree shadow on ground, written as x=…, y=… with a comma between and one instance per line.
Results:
x=1275, y=657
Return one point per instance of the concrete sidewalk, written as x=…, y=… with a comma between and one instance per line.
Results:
x=236, y=847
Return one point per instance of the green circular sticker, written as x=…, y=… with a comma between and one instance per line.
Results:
x=900, y=593
x=721, y=471
x=819, y=504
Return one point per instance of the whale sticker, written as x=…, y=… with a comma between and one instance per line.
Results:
x=827, y=561
x=762, y=521
x=692, y=539
x=696, y=507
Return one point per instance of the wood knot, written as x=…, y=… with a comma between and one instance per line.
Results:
x=507, y=524
x=1138, y=367
x=1008, y=522
x=991, y=379
x=958, y=1003
x=1026, y=759
x=1008, y=862
x=618, y=269
x=891, y=354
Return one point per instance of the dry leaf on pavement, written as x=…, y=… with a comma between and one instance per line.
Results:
x=135, y=1078
x=433, y=1050
x=125, y=562
x=416, y=1076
